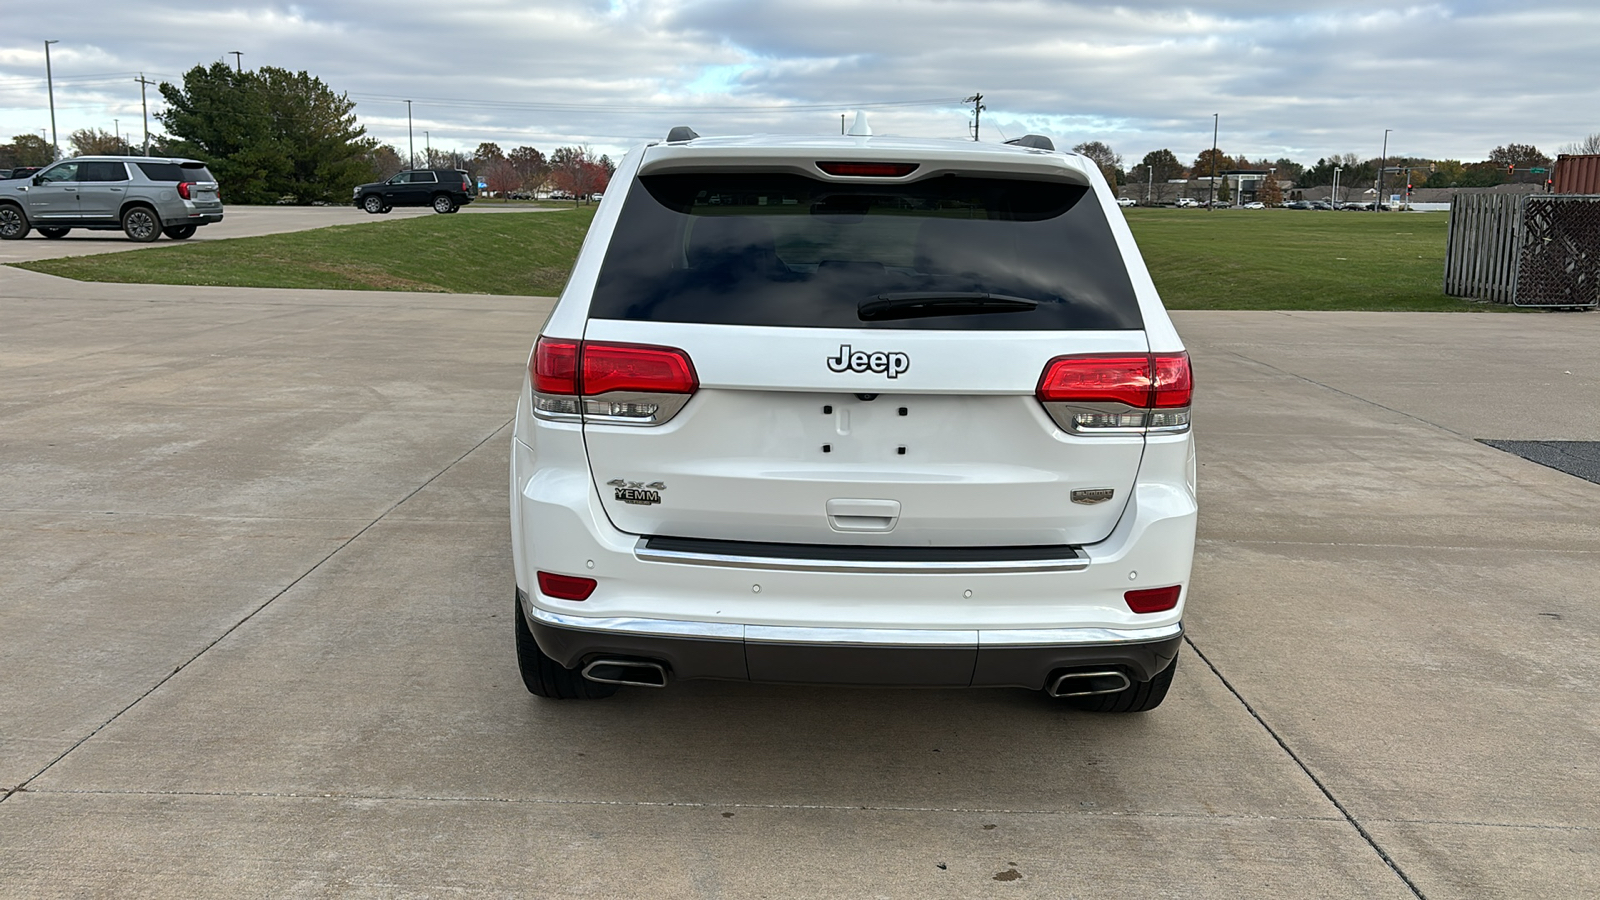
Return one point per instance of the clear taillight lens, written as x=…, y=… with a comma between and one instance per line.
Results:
x=1118, y=393
x=618, y=384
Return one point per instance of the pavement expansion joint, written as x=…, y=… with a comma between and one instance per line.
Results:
x=1343, y=393
x=688, y=804
x=1498, y=548
x=161, y=682
x=1343, y=810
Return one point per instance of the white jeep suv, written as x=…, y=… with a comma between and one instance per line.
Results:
x=855, y=410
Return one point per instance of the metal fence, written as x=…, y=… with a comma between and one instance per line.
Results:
x=1527, y=250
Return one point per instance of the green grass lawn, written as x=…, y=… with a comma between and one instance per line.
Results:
x=1296, y=259
x=507, y=253
x=1227, y=259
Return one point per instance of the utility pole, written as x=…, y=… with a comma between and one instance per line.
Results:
x=116, y=129
x=50, y=84
x=411, y=142
x=427, y=146
x=1211, y=195
x=238, y=61
x=1377, y=202
x=841, y=123
x=145, y=108
x=977, y=112
x=1150, y=187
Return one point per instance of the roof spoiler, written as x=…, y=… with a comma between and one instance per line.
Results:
x=1033, y=141
x=681, y=133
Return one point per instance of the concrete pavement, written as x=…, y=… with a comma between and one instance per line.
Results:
x=237, y=221
x=255, y=635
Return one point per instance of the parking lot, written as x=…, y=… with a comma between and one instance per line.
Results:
x=254, y=624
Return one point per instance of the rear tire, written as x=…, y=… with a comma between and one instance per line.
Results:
x=54, y=232
x=180, y=232
x=373, y=204
x=442, y=204
x=543, y=676
x=1137, y=697
x=141, y=225
x=13, y=224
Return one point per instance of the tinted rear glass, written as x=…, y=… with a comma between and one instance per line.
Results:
x=779, y=249
x=102, y=171
x=175, y=172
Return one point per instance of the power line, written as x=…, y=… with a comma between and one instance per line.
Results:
x=663, y=108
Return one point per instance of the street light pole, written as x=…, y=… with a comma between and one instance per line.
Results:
x=411, y=143
x=427, y=146
x=1334, y=197
x=238, y=60
x=1211, y=193
x=50, y=85
x=1377, y=202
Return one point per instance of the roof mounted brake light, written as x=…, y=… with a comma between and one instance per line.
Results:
x=868, y=169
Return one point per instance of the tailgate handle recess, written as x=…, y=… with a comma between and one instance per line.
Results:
x=863, y=515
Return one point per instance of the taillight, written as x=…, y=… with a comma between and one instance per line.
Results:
x=1151, y=600
x=1118, y=393
x=618, y=384
x=183, y=189
x=565, y=587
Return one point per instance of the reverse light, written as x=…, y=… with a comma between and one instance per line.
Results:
x=605, y=383
x=565, y=587
x=1118, y=393
x=1150, y=600
x=869, y=169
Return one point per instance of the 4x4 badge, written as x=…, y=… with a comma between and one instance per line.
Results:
x=637, y=492
x=892, y=363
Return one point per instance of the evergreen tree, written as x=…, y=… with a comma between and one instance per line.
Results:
x=268, y=134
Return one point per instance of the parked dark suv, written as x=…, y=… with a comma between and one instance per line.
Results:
x=446, y=190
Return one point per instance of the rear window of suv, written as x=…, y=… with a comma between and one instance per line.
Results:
x=949, y=252
x=175, y=172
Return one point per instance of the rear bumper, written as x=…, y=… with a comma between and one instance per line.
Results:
x=1024, y=658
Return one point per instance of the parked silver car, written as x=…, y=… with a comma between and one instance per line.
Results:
x=143, y=197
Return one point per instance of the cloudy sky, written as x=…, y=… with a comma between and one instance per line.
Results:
x=1453, y=79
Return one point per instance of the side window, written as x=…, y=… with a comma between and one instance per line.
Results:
x=401, y=178
x=102, y=171
x=426, y=177
x=63, y=172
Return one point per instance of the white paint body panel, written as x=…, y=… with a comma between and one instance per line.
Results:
x=742, y=461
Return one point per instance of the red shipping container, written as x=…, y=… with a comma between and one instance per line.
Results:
x=1577, y=174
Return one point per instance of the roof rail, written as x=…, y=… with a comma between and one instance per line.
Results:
x=681, y=133
x=1034, y=141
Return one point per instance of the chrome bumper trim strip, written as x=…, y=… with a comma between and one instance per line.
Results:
x=877, y=567
x=726, y=631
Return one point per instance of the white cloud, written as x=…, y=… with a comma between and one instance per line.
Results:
x=1452, y=79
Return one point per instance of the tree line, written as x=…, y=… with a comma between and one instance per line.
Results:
x=270, y=135
x=1506, y=164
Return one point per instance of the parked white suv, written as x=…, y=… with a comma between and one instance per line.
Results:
x=855, y=410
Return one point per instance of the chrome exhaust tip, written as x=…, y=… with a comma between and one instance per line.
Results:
x=1086, y=684
x=631, y=672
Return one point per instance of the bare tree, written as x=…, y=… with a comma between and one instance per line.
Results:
x=1588, y=145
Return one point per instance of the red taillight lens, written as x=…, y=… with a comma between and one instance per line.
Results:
x=183, y=189
x=1174, y=385
x=1097, y=379
x=565, y=587
x=1146, y=601
x=868, y=169
x=555, y=366
x=635, y=367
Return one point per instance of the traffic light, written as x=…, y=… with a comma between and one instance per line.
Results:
x=1511, y=168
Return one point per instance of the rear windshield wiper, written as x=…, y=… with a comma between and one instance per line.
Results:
x=917, y=304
